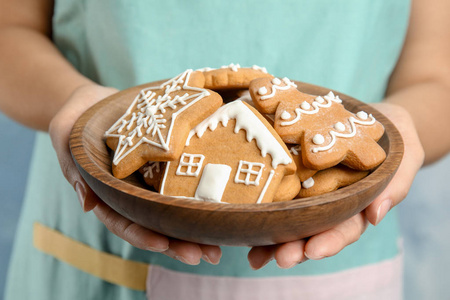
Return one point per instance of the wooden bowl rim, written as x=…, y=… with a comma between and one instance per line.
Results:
x=83, y=158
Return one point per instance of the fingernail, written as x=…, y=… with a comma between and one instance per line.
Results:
x=290, y=266
x=81, y=193
x=313, y=256
x=155, y=249
x=185, y=261
x=383, y=209
x=206, y=258
x=263, y=265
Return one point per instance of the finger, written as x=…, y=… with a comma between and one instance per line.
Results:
x=186, y=252
x=290, y=254
x=332, y=241
x=87, y=198
x=129, y=231
x=397, y=189
x=412, y=161
x=211, y=254
x=260, y=256
x=60, y=131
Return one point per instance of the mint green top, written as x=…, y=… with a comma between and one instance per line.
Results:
x=351, y=46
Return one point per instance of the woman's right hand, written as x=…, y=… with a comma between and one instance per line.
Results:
x=60, y=127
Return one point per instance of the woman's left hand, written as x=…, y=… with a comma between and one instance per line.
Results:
x=332, y=241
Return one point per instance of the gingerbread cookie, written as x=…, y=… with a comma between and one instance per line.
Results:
x=288, y=189
x=233, y=156
x=185, y=143
x=328, y=133
x=158, y=122
x=152, y=173
x=303, y=173
x=232, y=77
x=329, y=180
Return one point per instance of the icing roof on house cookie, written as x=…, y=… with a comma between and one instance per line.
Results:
x=253, y=126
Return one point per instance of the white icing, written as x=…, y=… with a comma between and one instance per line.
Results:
x=245, y=96
x=254, y=128
x=151, y=169
x=331, y=97
x=318, y=103
x=213, y=182
x=308, y=183
x=288, y=84
x=296, y=149
x=285, y=115
x=192, y=163
x=305, y=105
x=266, y=186
x=206, y=69
x=232, y=67
x=339, y=126
x=163, y=180
x=258, y=68
x=276, y=81
x=334, y=135
x=148, y=117
x=318, y=139
x=248, y=170
x=262, y=90
x=362, y=115
x=319, y=99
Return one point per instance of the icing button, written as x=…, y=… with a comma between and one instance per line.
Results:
x=318, y=139
x=319, y=99
x=339, y=126
x=305, y=105
x=276, y=81
x=308, y=183
x=362, y=115
x=262, y=90
x=285, y=115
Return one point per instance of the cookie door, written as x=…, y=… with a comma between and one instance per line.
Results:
x=213, y=182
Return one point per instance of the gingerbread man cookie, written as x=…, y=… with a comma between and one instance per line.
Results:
x=329, y=180
x=328, y=133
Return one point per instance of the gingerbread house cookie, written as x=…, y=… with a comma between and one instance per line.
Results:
x=233, y=156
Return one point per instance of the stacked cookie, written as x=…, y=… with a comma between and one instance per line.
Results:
x=274, y=143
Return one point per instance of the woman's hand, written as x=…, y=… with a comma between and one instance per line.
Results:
x=140, y=237
x=332, y=241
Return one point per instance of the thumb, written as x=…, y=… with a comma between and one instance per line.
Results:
x=59, y=130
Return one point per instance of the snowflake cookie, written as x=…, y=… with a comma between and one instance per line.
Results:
x=157, y=120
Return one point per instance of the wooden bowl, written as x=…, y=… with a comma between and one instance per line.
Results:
x=216, y=223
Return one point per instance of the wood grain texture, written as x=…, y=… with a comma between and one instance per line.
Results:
x=215, y=223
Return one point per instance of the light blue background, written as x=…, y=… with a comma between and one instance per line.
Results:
x=425, y=215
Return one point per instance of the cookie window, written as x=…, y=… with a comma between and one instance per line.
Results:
x=249, y=173
x=190, y=164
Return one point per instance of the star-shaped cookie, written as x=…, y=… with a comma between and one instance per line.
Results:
x=158, y=121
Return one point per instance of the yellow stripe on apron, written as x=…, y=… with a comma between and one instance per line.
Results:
x=108, y=267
